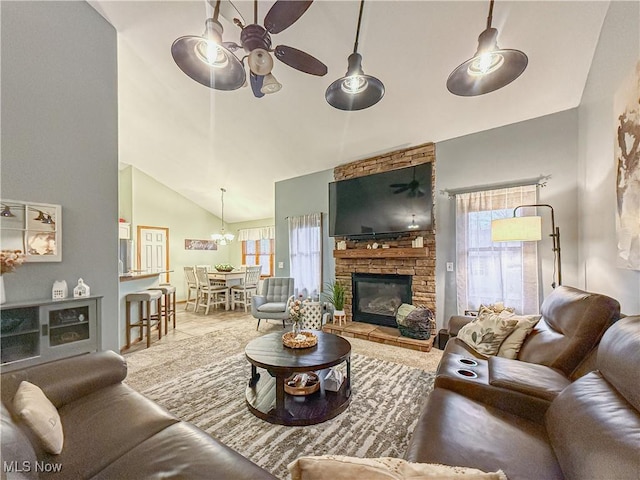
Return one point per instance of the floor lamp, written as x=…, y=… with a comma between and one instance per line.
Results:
x=528, y=229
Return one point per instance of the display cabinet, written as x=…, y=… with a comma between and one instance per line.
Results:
x=35, y=332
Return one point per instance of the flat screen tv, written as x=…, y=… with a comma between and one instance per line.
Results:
x=383, y=204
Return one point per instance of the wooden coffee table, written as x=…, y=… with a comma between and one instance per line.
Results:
x=265, y=394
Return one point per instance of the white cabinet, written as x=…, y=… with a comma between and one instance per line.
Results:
x=124, y=230
x=41, y=331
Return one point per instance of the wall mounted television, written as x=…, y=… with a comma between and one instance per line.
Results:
x=382, y=205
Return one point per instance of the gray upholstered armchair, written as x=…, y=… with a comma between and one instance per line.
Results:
x=274, y=301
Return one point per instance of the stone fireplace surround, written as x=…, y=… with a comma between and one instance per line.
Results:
x=399, y=258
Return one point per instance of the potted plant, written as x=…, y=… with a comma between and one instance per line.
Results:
x=334, y=294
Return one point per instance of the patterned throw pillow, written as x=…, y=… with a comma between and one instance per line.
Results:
x=403, y=311
x=497, y=307
x=486, y=333
x=511, y=345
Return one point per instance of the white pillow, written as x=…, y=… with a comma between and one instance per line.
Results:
x=337, y=467
x=512, y=344
x=40, y=415
x=486, y=333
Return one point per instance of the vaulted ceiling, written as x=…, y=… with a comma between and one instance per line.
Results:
x=196, y=140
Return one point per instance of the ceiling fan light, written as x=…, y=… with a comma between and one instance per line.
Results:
x=354, y=84
x=260, y=61
x=6, y=212
x=270, y=84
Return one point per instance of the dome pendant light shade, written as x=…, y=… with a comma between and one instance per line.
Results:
x=270, y=84
x=356, y=90
x=491, y=68
x=207, y=61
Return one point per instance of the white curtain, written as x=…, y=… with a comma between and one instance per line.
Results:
x=488, y=272
x=253, y=234
x=305, y=253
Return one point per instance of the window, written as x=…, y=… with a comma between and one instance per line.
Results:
x=305, y=253
x=259, y=252
x=490, y=272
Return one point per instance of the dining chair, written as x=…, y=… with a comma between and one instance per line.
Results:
x=210, y=294
x=192, y=287
x=241, y=294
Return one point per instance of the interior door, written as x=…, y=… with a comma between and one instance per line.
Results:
x=153, y=248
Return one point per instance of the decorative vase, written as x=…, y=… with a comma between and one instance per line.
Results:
x=3, y=298
x=296, y=328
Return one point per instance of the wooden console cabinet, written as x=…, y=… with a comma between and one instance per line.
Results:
x=34, y=332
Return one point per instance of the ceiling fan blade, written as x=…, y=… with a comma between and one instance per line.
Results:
x=398, y=185
x=284, y=13
x=256, y=84
x=400, y=190
x=300, y=60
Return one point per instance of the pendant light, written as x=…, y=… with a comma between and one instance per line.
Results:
x=490, y=68
x=206, y=60
x=355, y=91
x=6, y=212
x=222, y=238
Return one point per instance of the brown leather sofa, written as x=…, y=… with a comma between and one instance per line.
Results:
x=110, y=430
x=561, y=348
x=591, y=429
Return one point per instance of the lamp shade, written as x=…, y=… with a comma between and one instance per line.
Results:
x=207, y=61
x=517, y=229
x=356, y=90
x=489, y=69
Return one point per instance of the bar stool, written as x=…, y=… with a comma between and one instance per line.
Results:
x=168, y=304
x=144, y=299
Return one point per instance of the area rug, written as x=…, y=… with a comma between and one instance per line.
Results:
x=386, y=401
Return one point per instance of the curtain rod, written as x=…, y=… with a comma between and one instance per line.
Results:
x=540, y=181
x=303, y=214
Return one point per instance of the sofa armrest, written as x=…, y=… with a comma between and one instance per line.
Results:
x=66, y=380
x=529, y=378
x=456, y=322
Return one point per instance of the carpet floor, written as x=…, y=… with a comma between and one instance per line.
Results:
x=202, y=380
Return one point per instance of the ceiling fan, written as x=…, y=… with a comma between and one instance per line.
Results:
x=412, y=188
x=212, y=62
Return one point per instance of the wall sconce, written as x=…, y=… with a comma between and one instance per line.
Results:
x=528, y=229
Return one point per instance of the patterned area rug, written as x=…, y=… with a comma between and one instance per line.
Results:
x=386, y=400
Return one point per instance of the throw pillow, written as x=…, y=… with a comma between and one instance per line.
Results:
x=486, y=333
x=337, y=467
x=511, y=345
x=417, y=324
x=403, y=310
x=40, y=415
x=497, y=307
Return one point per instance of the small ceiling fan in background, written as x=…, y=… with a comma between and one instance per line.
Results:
x=212, y=62
x=412, y=188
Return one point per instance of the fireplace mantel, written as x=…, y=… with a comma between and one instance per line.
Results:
x=382, y=253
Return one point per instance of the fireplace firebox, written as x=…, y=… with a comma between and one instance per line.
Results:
x=376, y=297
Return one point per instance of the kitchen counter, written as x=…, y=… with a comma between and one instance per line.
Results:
x=140, y=274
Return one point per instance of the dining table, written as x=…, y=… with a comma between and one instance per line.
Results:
x=234, y=277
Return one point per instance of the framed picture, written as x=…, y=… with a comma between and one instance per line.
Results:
x=33, y=228
x=627, y=157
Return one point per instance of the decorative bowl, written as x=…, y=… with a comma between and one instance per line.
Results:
x=224, y=267
x=302, y=384
x=290, y=340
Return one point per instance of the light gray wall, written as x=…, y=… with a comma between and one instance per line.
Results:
x=59, y=142
x=615, y=58
x=542, y=146
x=299, y=196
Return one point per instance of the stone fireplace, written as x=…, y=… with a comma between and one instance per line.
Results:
x=376, y=298
x=399, y=258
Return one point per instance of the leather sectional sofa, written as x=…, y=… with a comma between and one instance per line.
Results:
x=567, y=408
x=110, y=430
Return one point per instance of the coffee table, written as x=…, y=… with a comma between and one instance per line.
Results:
x=265, y=395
